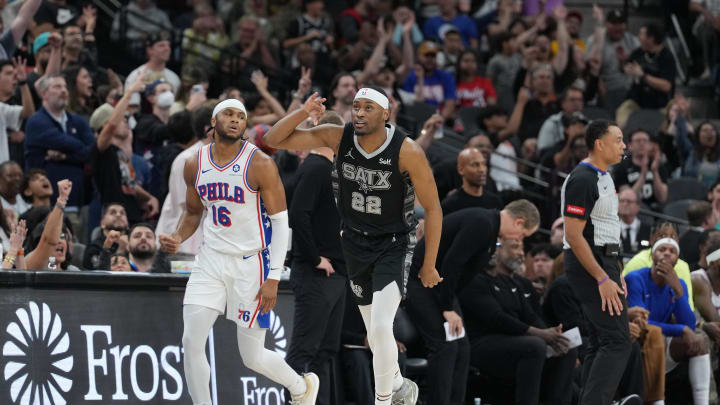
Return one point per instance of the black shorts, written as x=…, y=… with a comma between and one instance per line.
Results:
x=373, y=262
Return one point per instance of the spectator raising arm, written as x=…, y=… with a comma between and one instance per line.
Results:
x=23, y=20
x=560, y=61
x=408, y=52
x=15, y=256
x=55, y=61
x=261, y=82
x=426, y=136
x=21, y=75
x=517, y=114
x=372, y=65
x=596, y=44
x=105, y=138
x=38, y=258
x=304, y=86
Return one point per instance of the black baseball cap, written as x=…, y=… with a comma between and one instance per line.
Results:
x=574, y=118
x=616, y=16
x=156, y=37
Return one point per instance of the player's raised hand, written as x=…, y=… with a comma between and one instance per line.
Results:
x=169, y=243
x=315, y=107
x=429, y=276
x=267, y=295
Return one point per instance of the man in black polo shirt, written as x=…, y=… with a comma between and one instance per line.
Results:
x=652, y=70
x=592, y=242
x=468, y=241
x=643, y=172
x=472, y=167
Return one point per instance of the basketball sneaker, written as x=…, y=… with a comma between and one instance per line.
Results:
x=407, y=394
x=628, y=400
x=313, y=386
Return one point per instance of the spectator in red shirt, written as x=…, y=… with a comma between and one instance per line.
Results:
x=473, y=90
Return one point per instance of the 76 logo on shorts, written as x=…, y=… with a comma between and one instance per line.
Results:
x=244, y=315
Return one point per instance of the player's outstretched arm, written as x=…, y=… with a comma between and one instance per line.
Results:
x=191, y=216
x=413, y=161
x=285, y=134
x=264, y=177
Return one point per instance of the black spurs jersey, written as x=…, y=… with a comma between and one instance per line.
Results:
x=373, y=197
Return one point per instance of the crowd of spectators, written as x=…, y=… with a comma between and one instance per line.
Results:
x=497, y=92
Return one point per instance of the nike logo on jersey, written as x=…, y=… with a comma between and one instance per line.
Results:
x=205, y=171
x=527, y=295
x=247, y=257
x=369, y=180
x=349, y=154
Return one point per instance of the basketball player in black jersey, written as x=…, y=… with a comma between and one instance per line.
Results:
x=378, y=172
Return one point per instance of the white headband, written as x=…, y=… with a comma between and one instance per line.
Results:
x=712, y=257
x=231, y=102
x=373, y=95
x=666, y=241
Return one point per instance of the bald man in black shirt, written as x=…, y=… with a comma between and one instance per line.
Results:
x=472, y=167
x=468, y=242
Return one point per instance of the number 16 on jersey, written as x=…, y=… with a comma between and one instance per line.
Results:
x=221, y=216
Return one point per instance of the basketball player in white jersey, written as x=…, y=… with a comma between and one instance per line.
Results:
x=706, y=288
x=239, y=265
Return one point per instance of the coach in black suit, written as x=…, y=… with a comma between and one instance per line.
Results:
x=633, y=231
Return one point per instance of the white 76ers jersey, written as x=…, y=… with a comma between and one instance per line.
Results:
x=236, y=222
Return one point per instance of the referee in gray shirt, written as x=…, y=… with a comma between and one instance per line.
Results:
x=592, y=243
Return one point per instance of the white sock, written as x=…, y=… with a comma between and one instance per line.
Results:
x=699, y=370
x=398, y=380
x=268, y=363
x=198, y=321
x=384, y=348
x=381, y=399
x=660, y=402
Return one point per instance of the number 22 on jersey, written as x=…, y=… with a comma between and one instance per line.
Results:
x=369, y=205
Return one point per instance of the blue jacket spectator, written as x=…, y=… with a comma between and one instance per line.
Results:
x=57, y=141
x=661, y=301
x=449, y=15
x=436, y=87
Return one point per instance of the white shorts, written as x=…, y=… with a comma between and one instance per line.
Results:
x=670, y=363
x=230, y=284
